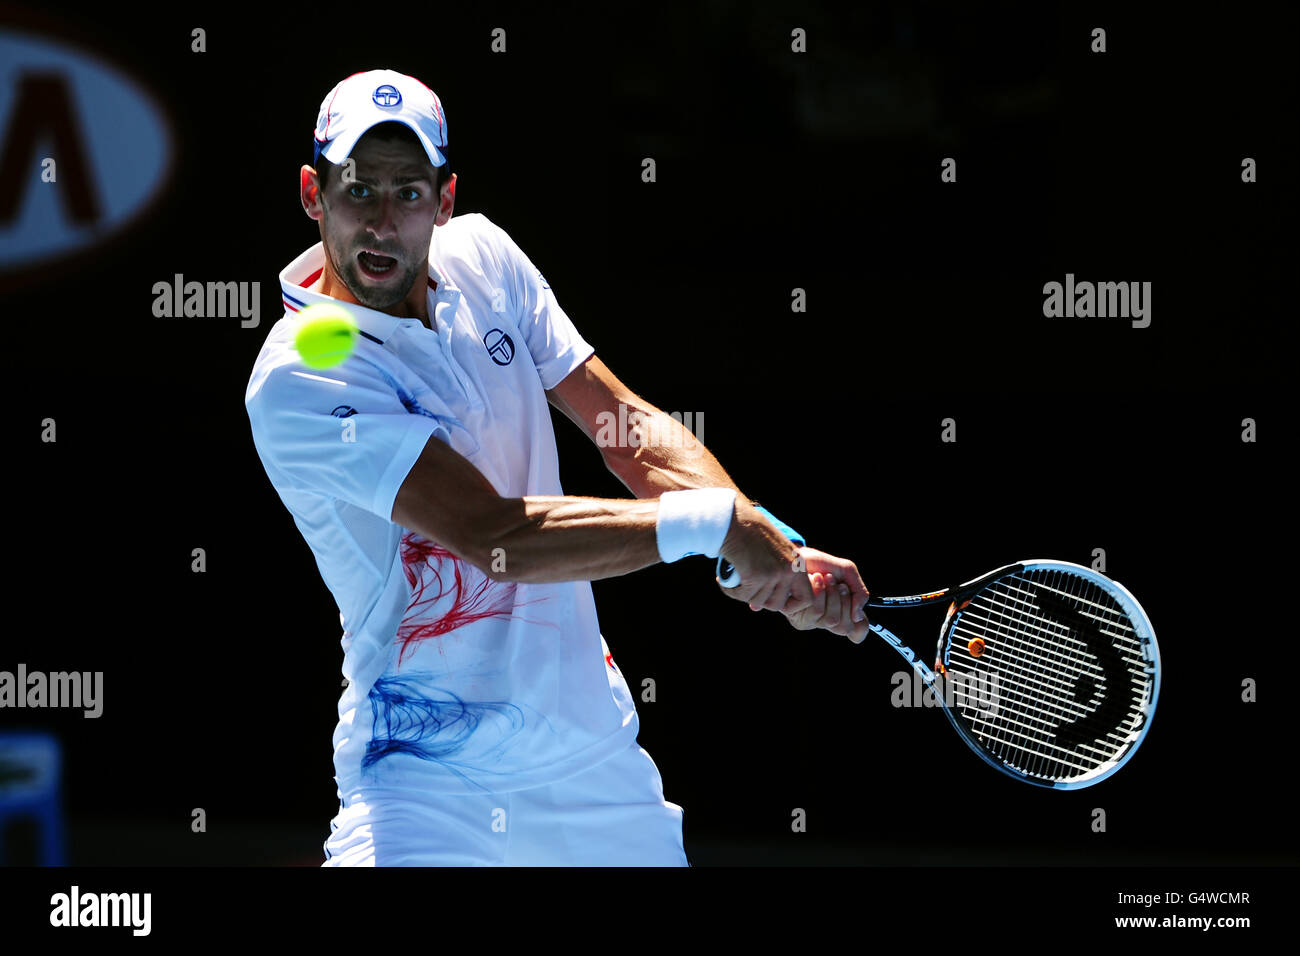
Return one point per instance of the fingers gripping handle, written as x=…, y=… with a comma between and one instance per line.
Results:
x=728, y=576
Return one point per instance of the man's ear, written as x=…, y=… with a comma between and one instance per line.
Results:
x=446, y=201
x=309, y=192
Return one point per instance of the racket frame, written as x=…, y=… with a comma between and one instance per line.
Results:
x=1122, y=596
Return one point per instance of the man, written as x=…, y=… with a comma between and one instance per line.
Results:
x=483, y=720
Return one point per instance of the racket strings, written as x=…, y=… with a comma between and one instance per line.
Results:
x=1020, y=655
x=1109, y=709
x=1047, y=752
x=1032, y=651
x=1068, y=670
x=1017, y=650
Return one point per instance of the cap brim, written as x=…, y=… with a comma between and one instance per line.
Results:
x=340, y=148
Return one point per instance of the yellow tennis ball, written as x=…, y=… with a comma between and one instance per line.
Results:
x=326, y=336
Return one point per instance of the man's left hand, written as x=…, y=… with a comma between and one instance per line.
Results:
x=839, y=597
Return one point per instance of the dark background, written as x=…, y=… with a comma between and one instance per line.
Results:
x=775, y=170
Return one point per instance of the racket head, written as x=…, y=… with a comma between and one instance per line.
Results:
x=1050, y=672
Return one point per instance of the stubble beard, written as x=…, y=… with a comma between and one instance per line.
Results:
x=380, y=299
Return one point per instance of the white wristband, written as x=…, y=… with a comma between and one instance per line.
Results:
x=694, y=522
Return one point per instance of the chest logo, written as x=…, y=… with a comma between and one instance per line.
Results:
x=499, y=346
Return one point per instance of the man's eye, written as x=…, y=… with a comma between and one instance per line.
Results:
x=414, y=193
x=353, y=191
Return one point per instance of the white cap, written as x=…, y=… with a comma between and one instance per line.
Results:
x=364, y=100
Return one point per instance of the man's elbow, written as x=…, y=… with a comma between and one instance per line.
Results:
x=487, y=543
x=620, y=461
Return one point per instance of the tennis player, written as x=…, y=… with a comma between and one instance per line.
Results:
x=483, y=719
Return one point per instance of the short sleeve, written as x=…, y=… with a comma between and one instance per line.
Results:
x=344, y=433
x=552, y=339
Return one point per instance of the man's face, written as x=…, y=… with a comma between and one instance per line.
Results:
x=376, y=229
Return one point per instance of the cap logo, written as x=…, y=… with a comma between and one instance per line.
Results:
x=386, y=96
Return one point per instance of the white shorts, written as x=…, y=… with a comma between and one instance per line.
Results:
x=613, y=814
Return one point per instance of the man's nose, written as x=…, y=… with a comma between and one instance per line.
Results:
x=382, y=221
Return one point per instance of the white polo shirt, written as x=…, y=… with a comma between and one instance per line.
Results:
x=456, y=683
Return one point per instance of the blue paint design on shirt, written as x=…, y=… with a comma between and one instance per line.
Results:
x=410, y=403
x=434, y=728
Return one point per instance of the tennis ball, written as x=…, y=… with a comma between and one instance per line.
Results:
x=326, y=336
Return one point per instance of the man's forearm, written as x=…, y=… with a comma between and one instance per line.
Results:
x=541, y=539
x=663, y=455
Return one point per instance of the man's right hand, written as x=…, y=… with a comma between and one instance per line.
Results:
x=772, y=573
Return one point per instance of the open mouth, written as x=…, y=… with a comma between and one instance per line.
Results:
x=374, y=265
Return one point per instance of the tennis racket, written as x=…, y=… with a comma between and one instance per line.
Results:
x=1048, y=670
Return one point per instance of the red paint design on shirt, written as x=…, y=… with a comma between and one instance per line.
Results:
x=475, y=596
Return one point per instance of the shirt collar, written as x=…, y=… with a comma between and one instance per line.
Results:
x=298, y=276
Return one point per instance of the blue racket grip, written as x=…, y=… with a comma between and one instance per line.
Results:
x=728, y=576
